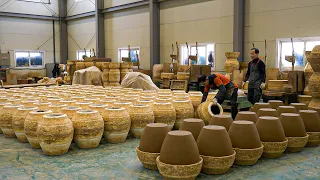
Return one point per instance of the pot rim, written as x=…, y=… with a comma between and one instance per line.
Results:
x=299, y=137
x=55, y=115
x=40, y=111
x=27, y=108
x=137, y=149
x=72, y=108
x=217, y=104
x=98, y=105
x=115, y=108
x=87, y=111
x=220, y=157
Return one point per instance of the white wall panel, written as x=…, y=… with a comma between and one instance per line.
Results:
x=74, y=7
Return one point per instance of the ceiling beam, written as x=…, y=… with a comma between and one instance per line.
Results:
x=28, y=16
x=82, y=15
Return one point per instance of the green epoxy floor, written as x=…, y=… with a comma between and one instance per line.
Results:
x=19, y=161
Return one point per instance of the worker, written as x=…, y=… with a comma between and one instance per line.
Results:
x=256, y=75
x=227, y=90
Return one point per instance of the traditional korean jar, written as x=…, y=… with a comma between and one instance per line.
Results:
x=18, y=122
x=165, y=113
x=6, y=116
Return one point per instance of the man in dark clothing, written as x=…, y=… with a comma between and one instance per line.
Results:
x=227, y=90
x=256, y=75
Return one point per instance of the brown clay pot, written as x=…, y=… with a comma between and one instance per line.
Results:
x=140, y=116
x=164, y=113
x=6, y=118
x=18, y=122
x=268, y=112
x=258, y=106
x=311, y=121
x=195, y=100
x=275, y=103
x=221, y=120
x=192, y=125
x=184, y=110
x=286, y=109
x=246, y=116
x=299, y=106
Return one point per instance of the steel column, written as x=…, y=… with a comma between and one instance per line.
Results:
x=63, y=32
x=100, y=41
x=154, y=8
x=54, y=41
x=238, y=28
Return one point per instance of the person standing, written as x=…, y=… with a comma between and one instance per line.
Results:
x=227, y=90
x=256, y=75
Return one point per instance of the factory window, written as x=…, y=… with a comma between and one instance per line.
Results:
x=25, y=59
x=206, y=55
x=81, y=53
x=124, y=53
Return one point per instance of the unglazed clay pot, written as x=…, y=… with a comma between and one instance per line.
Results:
x=246, y=116
x=192, y=125
x=165, y=100
x=88, y=128
x=275, y=103
x=216, y=150
x=71, y=111
x=125, y=105
x=116, y=124
x=184, y=110
x=221, y=120
x=232, y=63
x=68, y=102
x=195, y=100
x=311, y=121
x=294, y=130
x=98, y=107
x=299, y=106
x=109, y=102
x=2, y=104
x=164, y=113
x=83, y=105
x=150, y=144
x=57, y=108
x=272, y=136
x=114, y=76
x=314, y=81
x=18, y=122
x=6, y=118
x=31, y=124
x=172, y=162
x=246, y=142
x=207, y=110
x=42, y=105
x=55, y=133
x=28, y=103
x=258, y=106
x=93, y=100
x=306, y=99
x=286, y=109
x=140, y=116
x=146, y=102
x=267, y=112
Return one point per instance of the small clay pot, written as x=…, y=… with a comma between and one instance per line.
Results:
x=299, y=106
x=258, y=106
x=192, y=125
x=286, y=109
x=267, y=112
x=311, y=121
x=221, y=120
x=247, y=116
x=275, y=103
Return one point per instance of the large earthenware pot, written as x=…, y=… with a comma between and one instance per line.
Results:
x=57, y=108
x=299, y=106
x=116, y=124
x=306, y=99
x=123, y=73
x=42, y=105
x=71, y=111
x=6, y=117
x=246, y=116
x=55, y=133
x=88, y=128
x=140, y=116
x=2, y=104
x=18, y=122
x=98, y=107
x=150, y=144
x=68, y=102
x=294, y=130
x=83, y=105
x=123, y=104
x=114, y=76
x=165, y=113
x=258, y=106
x=208, y=109
x=246, y=142
x=221, y=120
x=184, y=110
x=195, y=100
x=146, y=102
x=267, y=112
x=275, y=103
x=311, y=121
x=215, y=148
x=109, y=102
x=163, y=100
x=192, y=125
x=314, y=81
x=232, y=62
x=272, y=136
x=286, y=109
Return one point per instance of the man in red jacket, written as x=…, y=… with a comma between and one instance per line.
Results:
x=227, y=90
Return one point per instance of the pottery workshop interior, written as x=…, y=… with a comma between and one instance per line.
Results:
x=159, y=89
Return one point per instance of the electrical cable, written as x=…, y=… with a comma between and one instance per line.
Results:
x=71, y=7
x=45, y=42
x=74, y=41
x=8, y=5
x=49, y=9
x=4, y=3
x=91, y=40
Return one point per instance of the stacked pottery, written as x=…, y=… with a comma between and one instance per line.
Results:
x=299, y=106
x=2, y=104
x=215, y=149
x=286, y=109
x=192, y=125
x=195, y=100
x=116, y=124
x=268, y=112
x=165, y=113
x=124, y=70
x=307, y=73
x=246, y=142
x=275, y=103
x=247, y=116
x=105, y=73
x=88, y=128
x=114, y=74
x=314, y=81
x=55, y=133
x=140, y=116
x=150, y=144
x=172, y=162
x=258, y=106
x=70, y=111
x=184, y=110
x=18, y=122
x=231, y=63
x=6, y=117
x=221, y=120
x=311, y=121
x=208, y=109
x=272, y=136
x=295, y=131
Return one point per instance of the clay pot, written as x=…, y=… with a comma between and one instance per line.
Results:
x=184, y=110
x=299, y=106
x=311, y=121
x=6, y=117
x=114, y=76
x=71, y=111
x=98, y=107
x=55, y=133
x=221, y=120
x=258, y=106
x=28, y=103
x=78, y=98
x=163, y=100
x=192, y=125
x=108, y=102
x=304, y=99
x=150, y=144
x=116, y=124
x=275, y=103
x=123, y=104
x=268, y=112
x=18, y=122
x=164, y=113
x=246, y=116
x=286, y=109
x=140, y=116
x=147, y=97
x=211, y=95
x=246, y=142
x=42, y=105
x=216, y=150
x=231, y=63
x=195, y=100
x=93, y=100
x=68, y=102
x=146, y=102
x=88, y=128
x=83, y=105
x=207, y=110
x=294, y=130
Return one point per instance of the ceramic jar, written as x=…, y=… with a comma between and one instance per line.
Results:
x=6, y=117
x=68, y=102
x=299, y=106
x=98, y=107
x=57, y=108
x=192, y=125
x=42, y=105
x=146, y=102
x=2, y=104
x=123, y=104
x=246, y=116
x=221, y=120
x=275, y=103
x=165, y=113
x=195, y=100
x=232, y=62
x=207, y=110
x=70, y=111
x=268, y=112
x=311, y=120
x=18, y=120
x=184, y=110
x=258, y=106
x=114, y=77
x=286, y=109
x=314, y=81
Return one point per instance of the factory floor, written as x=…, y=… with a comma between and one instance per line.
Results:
x=119, y=161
